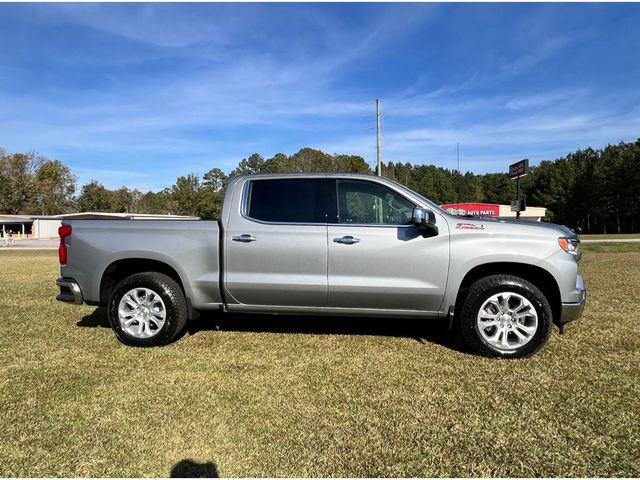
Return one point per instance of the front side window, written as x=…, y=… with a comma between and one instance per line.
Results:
x=362, y=202
x=288, y=200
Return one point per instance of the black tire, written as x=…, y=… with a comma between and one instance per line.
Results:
x=480, y=292
x=174, y=302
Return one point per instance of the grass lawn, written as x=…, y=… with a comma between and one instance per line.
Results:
x=610, y=247
x=285, y=396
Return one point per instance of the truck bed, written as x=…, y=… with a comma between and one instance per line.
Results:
x=185, y=245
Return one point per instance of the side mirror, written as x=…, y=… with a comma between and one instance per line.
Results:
x=424, y=218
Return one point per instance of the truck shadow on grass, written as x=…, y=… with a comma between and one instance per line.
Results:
x=422, y=331
x=191, y=469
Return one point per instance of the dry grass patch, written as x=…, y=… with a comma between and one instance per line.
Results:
x=287, y=396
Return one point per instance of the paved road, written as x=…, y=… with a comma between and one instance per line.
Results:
x=29, y=244
x=610, y=240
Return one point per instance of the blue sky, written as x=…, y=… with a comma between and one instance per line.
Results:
x=138, y=94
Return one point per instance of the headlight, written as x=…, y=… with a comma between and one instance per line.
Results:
x=570, y=245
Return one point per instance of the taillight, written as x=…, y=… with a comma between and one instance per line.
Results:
x=64, y=231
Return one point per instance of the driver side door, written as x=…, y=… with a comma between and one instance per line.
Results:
x=377, y=258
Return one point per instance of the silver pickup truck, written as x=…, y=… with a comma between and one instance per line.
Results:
x=328, y=244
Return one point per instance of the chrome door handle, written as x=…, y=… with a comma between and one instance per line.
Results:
x=346, y=240
x=245, y=238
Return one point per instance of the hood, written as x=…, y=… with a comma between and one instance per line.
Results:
x=562, y=229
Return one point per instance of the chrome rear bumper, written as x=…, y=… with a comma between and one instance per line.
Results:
x=69, y=291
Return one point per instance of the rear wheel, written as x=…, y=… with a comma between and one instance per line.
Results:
x=505, y=316
x=147, y=310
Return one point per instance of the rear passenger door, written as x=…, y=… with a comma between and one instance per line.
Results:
x=276, y=247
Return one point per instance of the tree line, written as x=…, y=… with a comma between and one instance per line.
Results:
x=597, y=190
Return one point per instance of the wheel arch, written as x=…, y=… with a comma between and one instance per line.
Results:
x=120, y=269
x=538, y=276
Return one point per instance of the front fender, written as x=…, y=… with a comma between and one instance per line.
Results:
x=473, y=249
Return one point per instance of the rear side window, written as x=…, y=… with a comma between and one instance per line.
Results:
x=288, y=200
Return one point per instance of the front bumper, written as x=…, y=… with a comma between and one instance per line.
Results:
x=572, y=311
x=69, y=291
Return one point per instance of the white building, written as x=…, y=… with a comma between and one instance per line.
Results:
x=18, y=224
x=47, y=226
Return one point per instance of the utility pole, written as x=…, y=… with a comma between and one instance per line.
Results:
x=458, y=182
x=378, y=164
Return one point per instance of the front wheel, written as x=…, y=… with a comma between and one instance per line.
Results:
x=147, y=310
x=505, y=316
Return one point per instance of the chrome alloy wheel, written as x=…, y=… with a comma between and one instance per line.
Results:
x=141, y=313
x=507, y=321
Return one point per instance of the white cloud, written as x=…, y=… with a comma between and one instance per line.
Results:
x=233, y=86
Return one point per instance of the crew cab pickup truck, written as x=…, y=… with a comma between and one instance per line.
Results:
x=328, y=244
